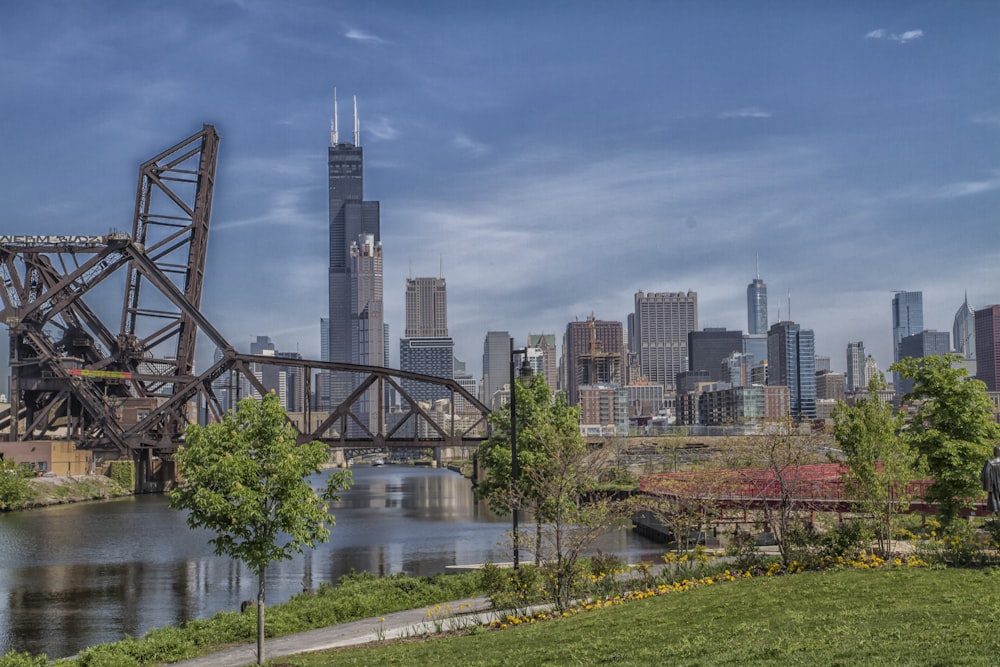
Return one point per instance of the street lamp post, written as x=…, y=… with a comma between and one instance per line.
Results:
x=515, y=468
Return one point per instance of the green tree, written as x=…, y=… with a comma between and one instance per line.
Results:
x=951, y=425
x=244, y=478
x=878, y=461
x=14, y=485
x=543, y=422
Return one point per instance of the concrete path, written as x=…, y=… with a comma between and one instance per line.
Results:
x=426, y=620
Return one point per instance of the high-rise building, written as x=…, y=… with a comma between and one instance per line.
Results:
x=351, y=218
x=829, y=386
x=791, y=358
x=426, y=308
x=963, y=332
x=988, y=346
x=919, y=345
x=659, y=329
x=428, y=356
x=823, y=364
x=593, y=353
x=367, y=319
x=736, y=369
x=755, y=345
x=856, y=366
x=757, y=306
x=427, y=348
x=907, y=319
x=871, y=369
x=547, y=344
x=496, y=365
x=707, y=349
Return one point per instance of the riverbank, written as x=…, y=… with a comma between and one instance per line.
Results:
x=47, y=491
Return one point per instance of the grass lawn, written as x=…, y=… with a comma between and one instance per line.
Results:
x=848, y=617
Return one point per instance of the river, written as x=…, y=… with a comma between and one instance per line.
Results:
x=77, y=575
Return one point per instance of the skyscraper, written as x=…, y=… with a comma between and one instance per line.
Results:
x=988, y=346
x=350, y=218
x=707, y=350
x=963, y=332
x=427, y=348
x=757, y=306
x=791, y=358
x=426, y=308
x=547, y=344
x=367, y=318
x=924, y=344
x=856, y=366
x=907, y=319
x=659, y=330
x=496, y=365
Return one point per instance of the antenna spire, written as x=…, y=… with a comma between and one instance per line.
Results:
x=789, y=305
x=757, y=255
x=334, y=135
x=357, y=126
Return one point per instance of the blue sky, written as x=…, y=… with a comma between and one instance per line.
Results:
x=554, y=157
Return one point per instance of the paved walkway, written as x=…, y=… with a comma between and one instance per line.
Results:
x=426, y=620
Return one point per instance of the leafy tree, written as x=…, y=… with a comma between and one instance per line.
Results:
x=879, y=462
x=245, y=479
x=14, y=485
x=950, y=423
x=538, y=416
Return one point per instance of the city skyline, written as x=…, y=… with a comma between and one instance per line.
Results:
x=551, y=175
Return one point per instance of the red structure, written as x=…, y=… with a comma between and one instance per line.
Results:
x=820, y=487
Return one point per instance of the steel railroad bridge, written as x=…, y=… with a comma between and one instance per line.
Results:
x=74, y=374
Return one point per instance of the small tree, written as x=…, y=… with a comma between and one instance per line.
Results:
x=772, y=483
x=567, y=520
x=540, y=418
x=14, y=485
x=951, y=426
x=879, y=462
x=244, y=478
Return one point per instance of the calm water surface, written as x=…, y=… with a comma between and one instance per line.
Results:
x=77, y=575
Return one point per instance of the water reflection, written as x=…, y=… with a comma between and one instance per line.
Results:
x=77, y=575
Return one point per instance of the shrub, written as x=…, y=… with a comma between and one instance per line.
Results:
x=122, y=473
x=15, y=659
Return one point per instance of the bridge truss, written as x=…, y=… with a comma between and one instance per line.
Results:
x=132, y=388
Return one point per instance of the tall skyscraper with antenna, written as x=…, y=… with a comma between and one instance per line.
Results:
x=757, y=305
x=353, y=222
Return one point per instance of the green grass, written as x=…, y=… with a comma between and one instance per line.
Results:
x=886, y=617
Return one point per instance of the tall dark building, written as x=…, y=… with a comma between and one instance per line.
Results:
x=350, y=218
x=791, y=358
x=919, y=345
x=707, y=349
x=988, y=346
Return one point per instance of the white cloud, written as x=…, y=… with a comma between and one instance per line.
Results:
x=746, y=112
x=469, y=145
x=902, y=38
x=968, y=188
x=362, y=36
x=380, y=128
x=987, y=118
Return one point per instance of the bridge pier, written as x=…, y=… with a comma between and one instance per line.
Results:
x=337, y=457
